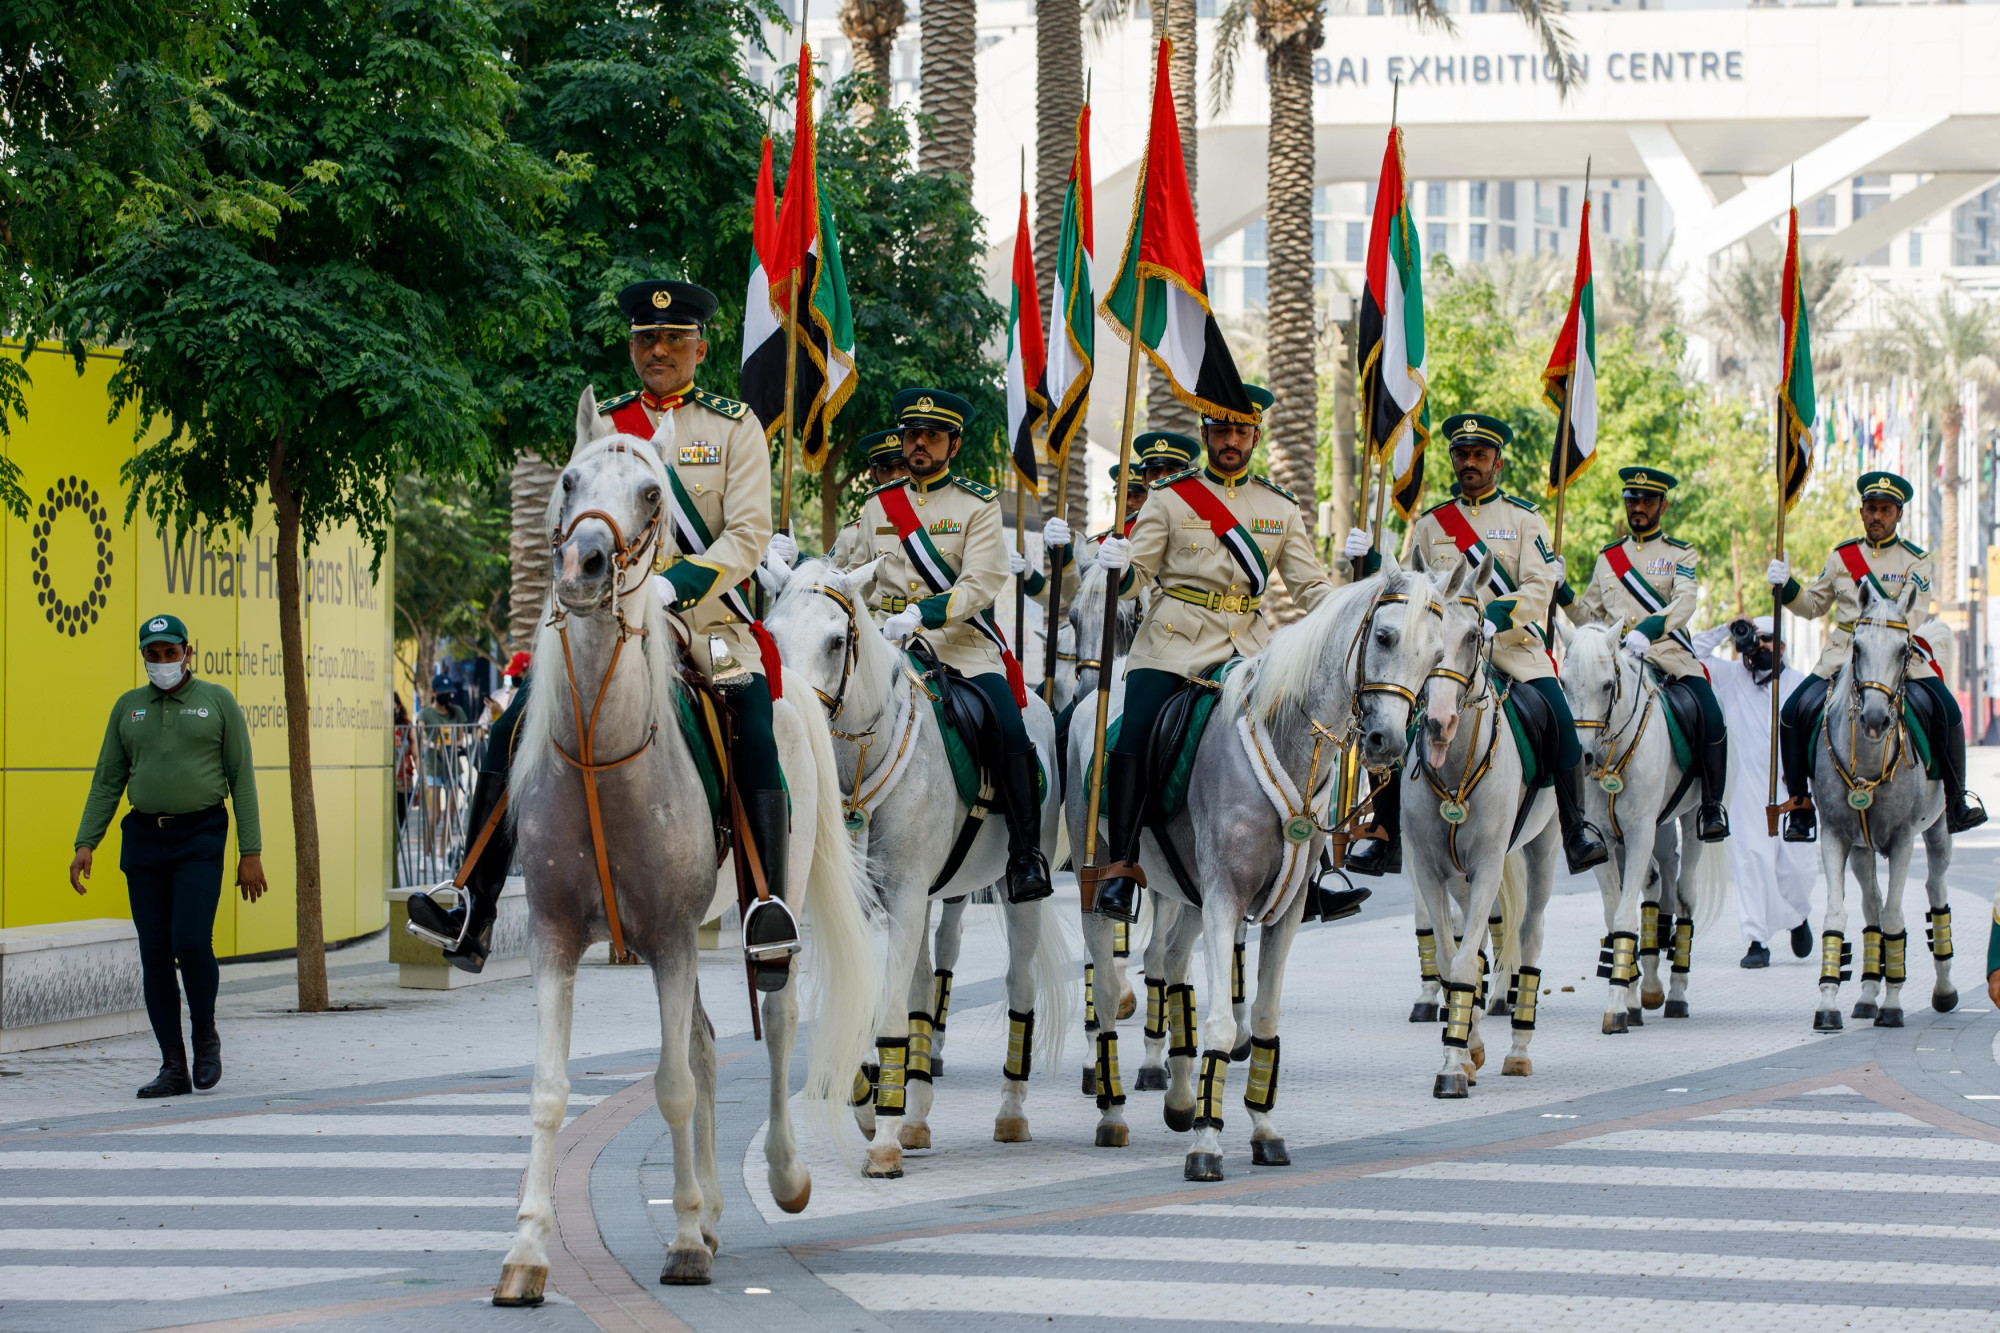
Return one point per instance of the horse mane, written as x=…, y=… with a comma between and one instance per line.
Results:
x=1285, y=672
x=875, y=661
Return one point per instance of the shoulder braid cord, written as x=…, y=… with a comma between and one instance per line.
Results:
x=1474, y=772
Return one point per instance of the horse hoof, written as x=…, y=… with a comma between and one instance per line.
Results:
x=1128, y=1004
x=1517, y=1066
x=884, y=1164
x=798, y=1204
x=1241, y=1053
x=1635, y=1018
x=1450, y=1087
x=1478, y=1057
x=1863, y=1009
x=1113, y=1136
x=1423, y=1011
x=1652, y=999
x=1011, y=1129
x=1152, y=1078
x=914, y=1136
x=686, y=1268
x=1498, y=1009
x=1946, y=1002
x=1180, y=1119
x=1269, y=1152
x=710, y=1239
x=1827, y=1020
x=1614, y=1024
x=1471, y=1075
x=1889, y=1018
x=521, y=1284
x=1202, y=1166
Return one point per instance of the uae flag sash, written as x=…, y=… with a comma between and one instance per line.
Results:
x=1857, y=567
x=1452, y=518
x=1648, y=596
x=939, y=576
x=1236, y=539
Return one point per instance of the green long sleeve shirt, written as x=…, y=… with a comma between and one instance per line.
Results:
x=174, y=754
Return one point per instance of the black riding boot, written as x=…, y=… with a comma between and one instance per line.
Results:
x=207, y=1056
x=1125, y=788
x=1795, y=728
x=1384, y=855
x=1962, y=810
x=1583, y=845
x=1712, y=824
x=465, y=930
x=172, y=1080
x=770, y=932
x=1027, y=870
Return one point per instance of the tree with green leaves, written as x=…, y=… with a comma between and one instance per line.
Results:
x=451, y=568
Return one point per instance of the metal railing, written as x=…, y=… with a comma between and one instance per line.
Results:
x=435, y=768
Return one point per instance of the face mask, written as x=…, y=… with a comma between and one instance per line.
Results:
x=165, y=675
x=1760, y=661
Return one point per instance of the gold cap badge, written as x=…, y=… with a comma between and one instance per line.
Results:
x=661, y=300
x=924, y=404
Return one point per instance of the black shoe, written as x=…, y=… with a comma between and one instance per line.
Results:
x=1125, y=790
x=1334, y=904
x=1802, y=939
x=1583, y=845
x=171, y=1081
x=1712, y=824
x=1383, y=855
x=1027, y=870
x=1758, y=956
x=1802, y=826
x=1963, y=811
x=207, y=1057
x=770, y=933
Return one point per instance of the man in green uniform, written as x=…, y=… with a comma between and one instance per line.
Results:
x=1890, y=564
x=1647, y=580
x=178, y=747
x=1526, y=574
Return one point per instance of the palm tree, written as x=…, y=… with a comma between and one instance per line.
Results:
x=950, y=86
x=870, y=27
x=1058, y=100
x=533, y=481
x=1742, y=315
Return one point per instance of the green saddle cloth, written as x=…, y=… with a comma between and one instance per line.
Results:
x=1173, y=784
x=1531, y=772
x=704, y=745
x=1918, y=737
x=965, y=768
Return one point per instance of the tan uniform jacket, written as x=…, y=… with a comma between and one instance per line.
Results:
x=1513, y=529
x=964, y=525
x=1669, y=566
x=1174, y=548
x=850, y=547
x=1895, y=564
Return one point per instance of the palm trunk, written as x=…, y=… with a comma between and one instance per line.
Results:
x=534, y=480
x=1951, y=423
x=1290, y=427
x=298, y=739
x=950, y=83
x=1175, y=19
x=1058, y=100
x=870, y=27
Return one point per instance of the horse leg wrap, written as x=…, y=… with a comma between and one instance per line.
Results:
x=1835, y=954
x=1896, y=957
x=1208, y=1090
x=1683, y=944
x=1427, y=954
x=1236, y=974
x=1649, y=930
x=1496, y=930
x=891, y=1080
x=1180, y=1019
x=940, y=997
x=1110, y=1086
x=1871, y=953
x=864, y=1084
x=1522, y=996
x=1938, y=928
x=1485, y=976
x=1121, y=939
x=1460, y=998
x=1618, y=958
x=1262, y=1094
x=920, y=1046
x=1156, y=1009
x=1020, y=1045
x=1090, y=997
x=1604, y=958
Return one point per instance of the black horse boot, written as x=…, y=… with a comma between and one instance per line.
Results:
x=1125, y=788
x=1383, y=855
x=1027, y=871
x=770, y=931
x=1335, y=904
x=465, y=930
x=1801, y=824
x=207, y=1056
x=1962, y=810
x=1712, y=824
x=172, y=1080
x=1583, y=844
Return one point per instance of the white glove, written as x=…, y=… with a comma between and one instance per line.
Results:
x=1562, y=569
x=1055, y=533
x=1114, y=553
x=902, y=625
x=1779, y=573
x=782, y=551
x=1637, y=644
x=1358, y=544
x=1486, y=630
x=1017, y=564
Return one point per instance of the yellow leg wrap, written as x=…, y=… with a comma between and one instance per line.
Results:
x=1649, y=929
x=1156, y=1009
x=1110, y=1085
x=1496, y=932
x=864, y=1084
x=1180, y=1019
x=1524, y=995
x=940, y=996
x=1683, y=944
x=1835, y=953
x=1020, y=1045
x=1939, y=930
x=1871, y=953
x=1459, y=1001
x=1896, y=957
x=891, y=1080
x=1121, y=939
x=1209, y=1089
x=1262, y=1094
x=1618, y=958
x=920, y=1046
x=1485, y=977
x=1236, y=974
x=1427, y=954
x=1090, y=997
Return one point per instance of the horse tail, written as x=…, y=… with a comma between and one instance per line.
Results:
x=1512, y=905
x=1712, y=885
x=1053, y=970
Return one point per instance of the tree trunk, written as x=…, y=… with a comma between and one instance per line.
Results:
x=1175, y=20
x=1291, y=424
x=1058, y=102
x=949, y=81
x=1951, y=422
x=298, y=739
x=870, y=27
x=534, y=481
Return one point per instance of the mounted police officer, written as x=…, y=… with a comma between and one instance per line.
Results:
x=885, y=464
x=1207, y=540
x=1157, y=455
x=1891, y=564
x=943, y=561
x=1646, y=579
x=1526, y=574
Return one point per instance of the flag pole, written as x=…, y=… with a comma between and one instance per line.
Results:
x=1382, y=482
x=1020, y=549
x=1562, y=419
x=1778, y=594
x=1055, y=588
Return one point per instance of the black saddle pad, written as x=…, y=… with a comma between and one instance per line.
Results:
x=1538, y=721
x=1686, y=706
x=965, y=709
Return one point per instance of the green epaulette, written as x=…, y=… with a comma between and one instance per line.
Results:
x=1521, y=503
x=722, y=407
x=1675, y=541
x=610, y=405
x=1609, y=547
x=1851, y=541
x=1178, y=476
x=1434, y=508
x=1912, y=547
x=1270, y=485
x=978, y=488
x=885, y=486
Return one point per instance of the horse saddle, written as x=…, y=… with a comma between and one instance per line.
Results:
x=1684, y=717
x=1537, y=735
x=1918, y=708
x=971, y=732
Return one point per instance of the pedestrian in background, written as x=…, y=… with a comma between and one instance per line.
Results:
x=178, y=747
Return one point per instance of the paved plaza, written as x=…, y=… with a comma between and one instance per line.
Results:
x=358, y=1170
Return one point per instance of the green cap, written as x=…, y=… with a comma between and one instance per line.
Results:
x=162, y=629
x=1261, y=399
x=1646, y=481
x=1158, y=447
x=883, y=447
x=1887, y=485
x=1478, y=428
x=932, y=408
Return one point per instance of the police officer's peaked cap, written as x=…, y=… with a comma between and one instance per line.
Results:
x=1138, y=478
x=667, y=305
x=1643, y=481
x=933, y=409
x=1158, y=447
x=1887, y=485
x=162, y=629
x=1477, y=428
x=1261, y=399
x=883, y=447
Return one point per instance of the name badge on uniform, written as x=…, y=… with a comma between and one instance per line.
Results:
x=700, y=452
x=885, y=529
x=944, y=525
x=1660, y=565
x=1267, y=527
x=1503, y=534
x=1201, y=523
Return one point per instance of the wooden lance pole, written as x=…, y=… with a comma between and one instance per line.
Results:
x=1562, y=420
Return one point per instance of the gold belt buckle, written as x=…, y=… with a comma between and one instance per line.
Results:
x=1233, y=603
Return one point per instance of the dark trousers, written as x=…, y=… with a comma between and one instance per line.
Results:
x=174, y=878
x=1569, y=752
x=1006, y=713
x=1146, y=692
x=756, y=749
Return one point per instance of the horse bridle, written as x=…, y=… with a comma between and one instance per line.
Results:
x=850, y=656
x=1464, y=681
x=1362, y=685
x=624, y=554
x=1892, y=755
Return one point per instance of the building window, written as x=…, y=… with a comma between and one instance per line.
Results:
x=1506, y=211
x=1562, y=206
x=1322, y=200
x=1545, y=213
x=1476, y=7
x=1869, y=194
x=1253, y=242
x=1475, y=249
x=1604, y=211
x=1254, y=289
x=1475, y=199
x=1357, y=243
x=1973, y=231
x=1321, y=254
x=1506, y=240
x=1437, y=199
x=1642, y=220
x=1434, y=239
x=1916, y=249
x=1819, y=212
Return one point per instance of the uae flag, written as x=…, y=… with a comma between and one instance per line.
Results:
x=1163, y=251
x=802, y=242
x=1392, y=337
x=1571, y=375
x=1027, y=357
x=1072, y=316
x=1796, y=404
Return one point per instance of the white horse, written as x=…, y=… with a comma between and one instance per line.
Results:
x=904, y=807
x=1874, y=799
x=1647, y=804
x=644, y=841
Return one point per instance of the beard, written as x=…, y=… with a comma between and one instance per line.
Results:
x=1761, y=662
